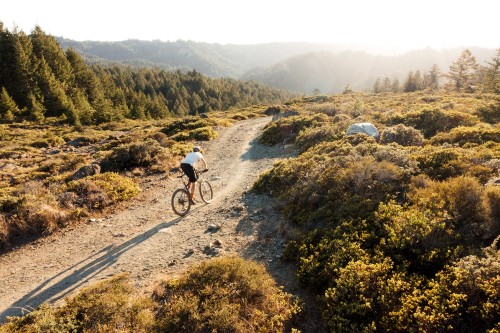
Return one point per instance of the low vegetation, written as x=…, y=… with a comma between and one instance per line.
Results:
x=221, y=295
x=396, y=234
x=392, y=234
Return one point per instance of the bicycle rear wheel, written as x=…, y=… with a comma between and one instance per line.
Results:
x=180, y=202
x=206, y=192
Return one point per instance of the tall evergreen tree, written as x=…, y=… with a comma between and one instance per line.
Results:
x=386, y=86
x=418, y=80
x=377, y=86
x=463, y=72
x=36, y=110
x=410, y=84
x=8, y=107
x=492, y=75
x=396, y=86
x=16, y=65
x=82, y=76
x=432, y=78
x=47, y=47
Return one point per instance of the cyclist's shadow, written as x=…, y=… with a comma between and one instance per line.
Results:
x=50, y=290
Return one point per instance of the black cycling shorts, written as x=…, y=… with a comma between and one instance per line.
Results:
x=189, y=171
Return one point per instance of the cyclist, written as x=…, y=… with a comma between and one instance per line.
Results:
x=187, y=166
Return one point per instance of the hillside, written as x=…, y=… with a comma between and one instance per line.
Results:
x=40, y=80
x=310, y=229
x=214, y=60
x=300, y=67
x=398, y=233
x=332, y=72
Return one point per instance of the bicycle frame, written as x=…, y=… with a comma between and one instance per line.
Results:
x=185, y=179
x=182, y=199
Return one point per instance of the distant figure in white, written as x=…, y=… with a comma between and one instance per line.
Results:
x=187, y=165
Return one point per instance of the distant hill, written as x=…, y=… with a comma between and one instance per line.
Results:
x=214, y=60
x=332, y=72
x=301, y=67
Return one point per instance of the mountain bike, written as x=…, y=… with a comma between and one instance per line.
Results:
x=181, y=203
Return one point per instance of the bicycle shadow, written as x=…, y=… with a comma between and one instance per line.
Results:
x=60, y=289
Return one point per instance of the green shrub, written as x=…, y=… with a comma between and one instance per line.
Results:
x=199, y=134
x=203, y=134
x=467, y=135
x=464, y=199
x=102, y=190
x=432, y=121
x=416, y=238
x=364, y=298
x=319, y=260
x=464, y=297
x=108, y=306
x=314, y=135
x=316, y=187
x=286, y=129
x=493, y=203
x=332, y=130
x=185, y=124
x=35, y=209
x=398, y=155
x=4, y=232
x=239, y=116
x=49, y=140
x=223, y=295
x=273, y=110
x=328, y=108
x=490, y=113
x=28, y=212
x=181, y=136
x=402, y=135
x=146, y=154
x=443, y=163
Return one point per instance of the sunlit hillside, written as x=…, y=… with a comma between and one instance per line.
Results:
x=396, y=231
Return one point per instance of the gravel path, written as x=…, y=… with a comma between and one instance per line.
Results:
x=147, y=240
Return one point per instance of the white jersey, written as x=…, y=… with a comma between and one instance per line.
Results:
x=193, y=157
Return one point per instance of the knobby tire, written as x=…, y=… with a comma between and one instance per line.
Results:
x=180, y=202
x=206, y=192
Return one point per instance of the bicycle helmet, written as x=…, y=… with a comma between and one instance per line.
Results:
x=196, y=149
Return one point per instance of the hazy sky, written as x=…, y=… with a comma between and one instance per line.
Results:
x=382, y=23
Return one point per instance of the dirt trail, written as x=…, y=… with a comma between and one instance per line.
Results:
x=148, y=240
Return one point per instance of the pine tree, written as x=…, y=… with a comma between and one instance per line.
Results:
x=418, y=80
x=492, y=75
x=462, y=74
x=377, y=86
x=47, y=47
x=36, y=109
x=410, y=85
x=16, y=66
x=82, y=76
x=432, y=78
x=85, y=111
x=8, y=107
x=396, y=86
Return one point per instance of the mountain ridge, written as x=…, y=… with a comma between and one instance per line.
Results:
x=301, y=67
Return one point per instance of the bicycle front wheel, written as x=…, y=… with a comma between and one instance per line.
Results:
x=180, y=202
x=206, y=192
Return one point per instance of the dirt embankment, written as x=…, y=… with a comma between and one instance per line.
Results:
x=147, y=240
